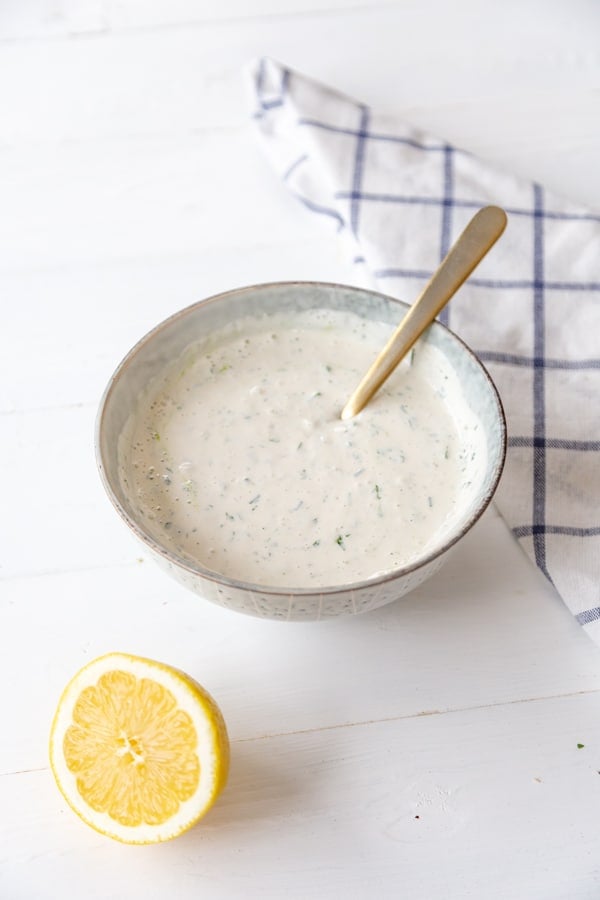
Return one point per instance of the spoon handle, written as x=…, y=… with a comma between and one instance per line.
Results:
x=479, y=236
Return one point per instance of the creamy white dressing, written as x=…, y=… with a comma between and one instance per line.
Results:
x=239, y=460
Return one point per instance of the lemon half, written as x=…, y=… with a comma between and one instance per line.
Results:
x=138, y=749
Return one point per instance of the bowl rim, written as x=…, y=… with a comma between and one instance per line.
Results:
x=197, y=569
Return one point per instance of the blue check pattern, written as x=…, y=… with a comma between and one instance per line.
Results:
x=531, y=311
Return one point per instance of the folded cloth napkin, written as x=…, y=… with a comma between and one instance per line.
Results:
x=531, y=311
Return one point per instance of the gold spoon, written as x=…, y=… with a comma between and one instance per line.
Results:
x=479, y=236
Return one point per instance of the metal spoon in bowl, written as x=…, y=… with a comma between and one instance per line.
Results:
x=479, y=236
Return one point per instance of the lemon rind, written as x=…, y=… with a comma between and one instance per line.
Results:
x=212, y=748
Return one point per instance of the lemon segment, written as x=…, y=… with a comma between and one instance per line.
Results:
x=138, y=749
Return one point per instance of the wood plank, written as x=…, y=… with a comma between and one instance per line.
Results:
x=50, y=18
x=47, y=19
x=486, y=629
x=496, y=803
x=197, y=83
x=117, y=200
x=74, y=323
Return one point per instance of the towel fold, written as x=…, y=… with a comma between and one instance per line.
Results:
x=531, y=310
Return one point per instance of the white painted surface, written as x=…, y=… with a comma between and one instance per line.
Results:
x=131, y=185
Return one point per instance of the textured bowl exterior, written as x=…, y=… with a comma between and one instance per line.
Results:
x=305, y=607
x=170, y=338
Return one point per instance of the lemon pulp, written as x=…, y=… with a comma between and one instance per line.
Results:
x=139, y=750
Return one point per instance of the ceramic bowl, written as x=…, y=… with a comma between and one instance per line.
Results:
x=169, y=339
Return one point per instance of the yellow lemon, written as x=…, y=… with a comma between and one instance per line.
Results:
x=138, y=749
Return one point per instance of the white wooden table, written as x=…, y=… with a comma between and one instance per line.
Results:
x=428, y=749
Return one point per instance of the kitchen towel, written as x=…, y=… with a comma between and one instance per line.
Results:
x=531, y=311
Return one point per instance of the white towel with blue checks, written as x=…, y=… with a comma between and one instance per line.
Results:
x=531, y=311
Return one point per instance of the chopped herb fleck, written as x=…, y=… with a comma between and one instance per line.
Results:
x=430, y=502
x=447, y=453
x=229, y=516
x=412, y=356
x=254, y=500
x=580, y=746
x=378, y=492
x=316, y=543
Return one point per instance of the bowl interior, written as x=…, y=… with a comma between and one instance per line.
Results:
x=155, y=352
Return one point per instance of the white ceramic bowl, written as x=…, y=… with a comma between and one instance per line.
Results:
x=169, y=339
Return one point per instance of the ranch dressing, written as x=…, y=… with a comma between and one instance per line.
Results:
x=239, y=460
